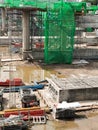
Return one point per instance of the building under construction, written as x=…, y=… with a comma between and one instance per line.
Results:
x=73, y=88
x=53, y=31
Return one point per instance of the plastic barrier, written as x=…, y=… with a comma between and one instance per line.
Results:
x=39, y=119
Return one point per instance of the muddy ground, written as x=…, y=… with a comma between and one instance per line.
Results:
x=31, y=71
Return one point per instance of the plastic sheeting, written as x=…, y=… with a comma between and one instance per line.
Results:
x=65, y=105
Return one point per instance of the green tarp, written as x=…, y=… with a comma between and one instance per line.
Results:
x=59, y=34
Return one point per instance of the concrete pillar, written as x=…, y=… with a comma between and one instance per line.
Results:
x=9, y=31
x=3, y=14
x=26, y=33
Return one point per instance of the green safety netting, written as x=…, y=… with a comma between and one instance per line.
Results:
x=59, y=26
x=59, y=34
x=21, y=3
x=36, y=3
x=79, y=6
x=43, y=4
x=12, y=3
x=92, y=9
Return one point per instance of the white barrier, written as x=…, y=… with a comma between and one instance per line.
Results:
x=39, y=119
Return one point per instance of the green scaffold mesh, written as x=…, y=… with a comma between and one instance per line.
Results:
x=59, y=34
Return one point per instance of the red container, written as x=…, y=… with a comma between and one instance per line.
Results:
x=25, y=113
x=14, y=82
x=39, y=45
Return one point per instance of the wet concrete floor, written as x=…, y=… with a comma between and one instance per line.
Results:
x=34, y=72
x=86, y=121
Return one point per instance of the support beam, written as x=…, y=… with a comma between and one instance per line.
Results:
x=3, y=14
x=26, y=33
x=86, y=25
x=87, y=40
x=87, y=21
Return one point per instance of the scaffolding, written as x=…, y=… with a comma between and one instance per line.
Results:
x=52, y=23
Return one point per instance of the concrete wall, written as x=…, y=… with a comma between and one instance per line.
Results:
x=78, y=94
x=79, y=53
x=38, y=54
x=85, y=53
x=6, y=40
x=87, y=21
x=63, y=95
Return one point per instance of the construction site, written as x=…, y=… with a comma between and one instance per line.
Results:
x=49, y=64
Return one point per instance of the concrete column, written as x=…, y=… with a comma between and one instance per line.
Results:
x=10, y=32
x=3, y=14
x=26, y=33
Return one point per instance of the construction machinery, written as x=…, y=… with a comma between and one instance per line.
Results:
x=28, y=98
